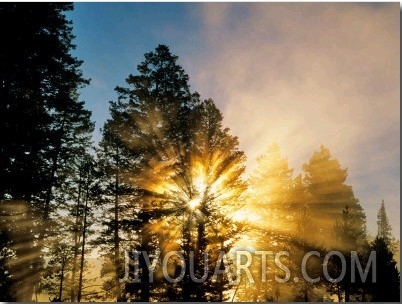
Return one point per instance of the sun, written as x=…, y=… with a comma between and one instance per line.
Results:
x=199, y=185
x=199, y=188
x=194, y=203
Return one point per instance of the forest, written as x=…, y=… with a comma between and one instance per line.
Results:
x=162, y=208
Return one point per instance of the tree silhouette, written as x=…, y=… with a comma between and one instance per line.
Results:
x=384, y=228
x=54, y=279
x=386, y=288
x=115, y=161
x=187, y=168
x=42, y=121
x=349, y=236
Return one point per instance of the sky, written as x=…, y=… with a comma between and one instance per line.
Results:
x=298, y=74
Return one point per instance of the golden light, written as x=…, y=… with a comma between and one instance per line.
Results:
x=200, y=184
x=194, y=203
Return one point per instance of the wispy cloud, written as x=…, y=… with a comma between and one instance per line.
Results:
x=304, y=74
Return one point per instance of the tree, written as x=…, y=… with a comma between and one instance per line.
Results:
x=386, y=288
x=325, y=181
x=215, y=168
x=39, y=80
x=186, y=165
x=384, y=228
x=42, y=121
x=271, y=188
x=81, y=201
x=147, y=122
x=348, y=232
x=277, y=198
x=303, y=228
x=54, y=279
x=115, y=161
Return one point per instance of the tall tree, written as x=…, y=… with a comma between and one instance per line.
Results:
x=273, y=194
x=39, y=80
x=271, y=189
x=149, y=128
x=348, y=233
x=54, y=279
x=42, y=120
x=115, y=161
x=215, y=169
x=386, y=287
x=325, y=181
x=183, y=160
x=384, y=228
x=302, y=229
x=330, y=196
x=78, y=215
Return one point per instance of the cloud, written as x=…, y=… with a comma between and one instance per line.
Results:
x=305, y=74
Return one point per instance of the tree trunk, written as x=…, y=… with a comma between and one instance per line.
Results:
x=145, y=239
x=84, y=231
x=116, y=229
x=76, y=242
x=199, y=260
x=186, y=282
x=63, y=263
x=305, y=293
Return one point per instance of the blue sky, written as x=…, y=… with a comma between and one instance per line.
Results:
x=299, y=74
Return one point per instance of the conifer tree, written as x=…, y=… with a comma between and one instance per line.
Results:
x=347, y=233
x=115, y=161
x=386, y=287
x=271, y=187
x=384, y=228
x=272, y=193
x=325, y=181
x=42, y=123
x=187, y=170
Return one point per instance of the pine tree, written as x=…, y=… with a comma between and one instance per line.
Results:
x=271, y=186
x=54, y=280
x=384, y=228
x=149, y=131
x=325, y=181
x=348, y=234
x=386, y=288
x=42, y=123
x=215, y=169
x=303, y=228
x=187, y=169
x=271, y=194
x=39, y=81
x=115, y=161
